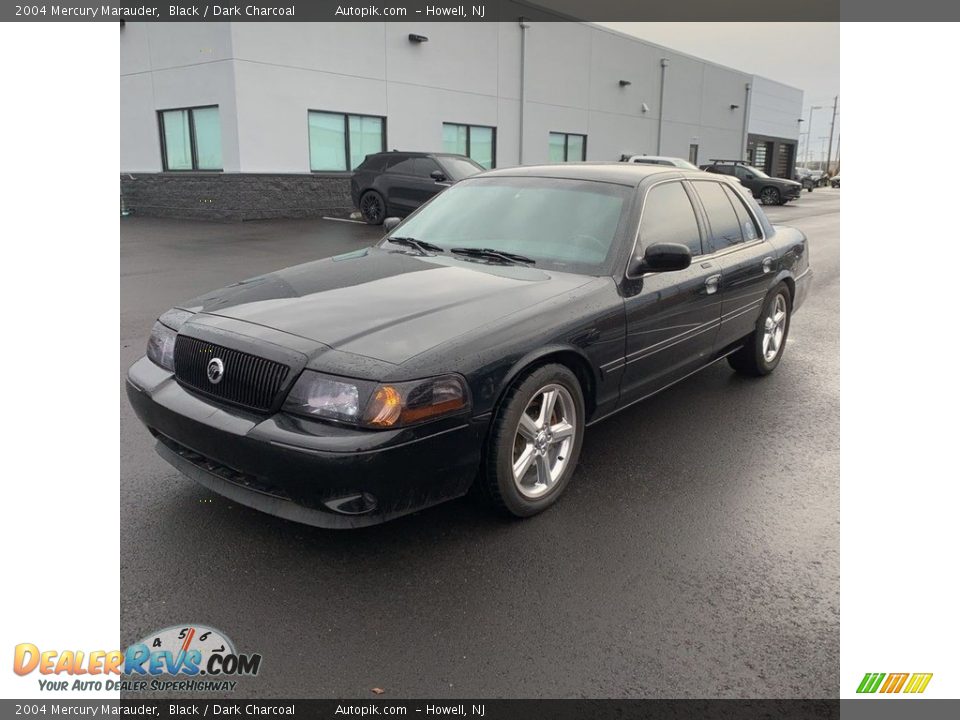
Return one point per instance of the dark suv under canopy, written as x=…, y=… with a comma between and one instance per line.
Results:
x=397, y=183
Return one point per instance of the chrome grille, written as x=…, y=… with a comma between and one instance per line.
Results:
x=250, y=381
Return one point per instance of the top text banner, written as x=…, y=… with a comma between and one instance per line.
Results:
x=489, y=11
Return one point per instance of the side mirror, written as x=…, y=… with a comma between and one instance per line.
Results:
x=390, y=223
x=438, y=175
x=661, y=257
x=750, y=176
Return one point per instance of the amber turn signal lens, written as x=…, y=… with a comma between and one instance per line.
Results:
x=407, y=403
x=384, y=407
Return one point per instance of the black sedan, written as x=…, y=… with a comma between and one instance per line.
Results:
x=473, y=344
x=397, y=183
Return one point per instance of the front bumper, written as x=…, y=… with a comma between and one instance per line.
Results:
x=792, y=192
x=303, y=470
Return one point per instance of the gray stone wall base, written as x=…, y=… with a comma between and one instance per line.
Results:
x=236, y=196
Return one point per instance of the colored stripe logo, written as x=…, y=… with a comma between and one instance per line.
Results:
x=894, y=683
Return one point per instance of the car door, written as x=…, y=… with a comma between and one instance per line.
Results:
x=671, y=317
x=747, y=178
x=745, y=258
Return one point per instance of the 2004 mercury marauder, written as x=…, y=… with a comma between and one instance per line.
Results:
x=474, y=343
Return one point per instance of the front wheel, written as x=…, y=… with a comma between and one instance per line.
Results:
x=763, y=350
x=535, y=442
x=770, y=196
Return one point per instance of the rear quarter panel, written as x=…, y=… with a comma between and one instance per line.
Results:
x=793, y=260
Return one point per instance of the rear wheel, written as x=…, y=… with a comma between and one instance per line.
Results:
x=761, y=354
x=535, y=442
x=372, y=207
x=770, y=196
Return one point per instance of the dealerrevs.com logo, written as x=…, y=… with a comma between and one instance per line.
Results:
x=911, y=683
x=184, y=658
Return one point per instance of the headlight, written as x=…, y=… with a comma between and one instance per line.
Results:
x=316, y=394
x=164, y=335
x=384, y=405
x=160, y=345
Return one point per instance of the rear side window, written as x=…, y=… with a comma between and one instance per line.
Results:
x=721, y=169
x=724, y=224
x=404, y=166
x=373, y=163
x=668, y=217
x=419, y=166
x=747, y=224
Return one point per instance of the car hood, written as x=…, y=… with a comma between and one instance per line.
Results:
x=385, y=304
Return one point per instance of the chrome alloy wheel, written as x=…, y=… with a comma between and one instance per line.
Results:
x=544, y=439
x=774, y=327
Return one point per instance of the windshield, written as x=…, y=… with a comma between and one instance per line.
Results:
x=757, y=171
x=561, y=224
x=459, y=168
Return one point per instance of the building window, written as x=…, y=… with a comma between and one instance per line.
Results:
x=190, y=138
x=340, y=142
x=567, y=147
x=692, y=154
x=477, y=142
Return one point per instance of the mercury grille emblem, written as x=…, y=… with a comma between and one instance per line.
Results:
x=215, y=370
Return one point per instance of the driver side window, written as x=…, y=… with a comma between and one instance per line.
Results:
x=668, y=216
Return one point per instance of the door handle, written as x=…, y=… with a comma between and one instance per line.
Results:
x=767, y=264
x=712, y=284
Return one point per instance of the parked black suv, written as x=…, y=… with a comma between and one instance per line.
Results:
x=805, y=177
x=768, y=190
x=397, y=183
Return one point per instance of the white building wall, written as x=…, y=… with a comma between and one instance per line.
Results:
x=775, y=109
x=173, y=65
x=266, y=76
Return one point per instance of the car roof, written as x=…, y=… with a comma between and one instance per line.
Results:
x=621, y=173
x=640, y=158
x=416, y=153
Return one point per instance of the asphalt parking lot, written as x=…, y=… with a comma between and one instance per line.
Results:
x=695, y=554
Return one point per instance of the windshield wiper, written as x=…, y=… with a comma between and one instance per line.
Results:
x=492, y=254
x=423, y=246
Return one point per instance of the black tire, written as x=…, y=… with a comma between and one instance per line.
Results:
x=809, y=188
x=497, y=475
x=753, y=359
x=770, y=196
x=372, y=207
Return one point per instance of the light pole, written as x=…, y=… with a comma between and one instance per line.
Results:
x=806, y=154
x=832, y=123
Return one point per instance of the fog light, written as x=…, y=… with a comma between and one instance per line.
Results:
x=353, y=504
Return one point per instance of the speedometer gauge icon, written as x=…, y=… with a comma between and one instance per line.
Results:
x=181, y=639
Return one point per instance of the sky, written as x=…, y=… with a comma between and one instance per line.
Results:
x=804, y=55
